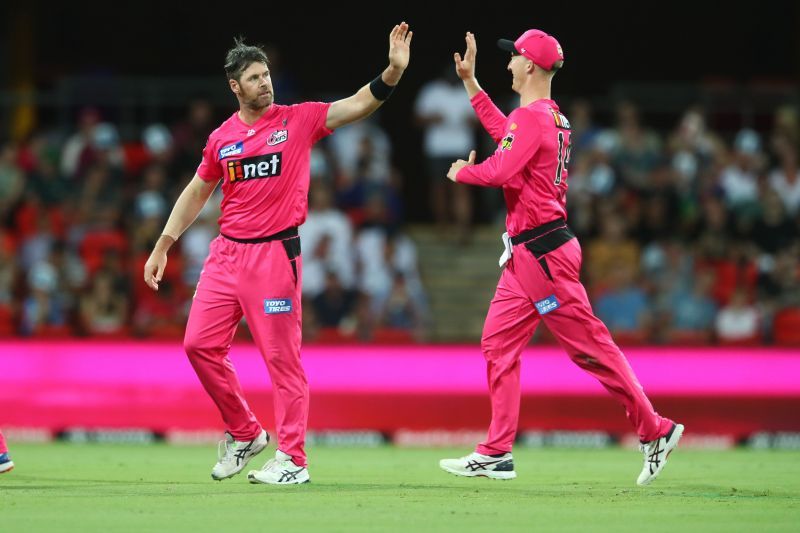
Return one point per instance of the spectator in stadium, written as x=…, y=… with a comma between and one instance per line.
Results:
x=327, y=237
x=623, y=306
x=12, y=181
x=784, y=178
x=444, y=113
x=637, y=149
x=611, y=248
x=104, y=310
x=739, y=321
x=44, y=309
x=739, y=179
x=335, y=305
x=687, y=316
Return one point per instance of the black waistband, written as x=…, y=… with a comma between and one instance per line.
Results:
x=280, y=236
x=535, y=233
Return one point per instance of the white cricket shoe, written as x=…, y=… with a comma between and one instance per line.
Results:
x=280, y=471
x=476, y=464
x=6, y=464
x=656, y=453
x=235, y=454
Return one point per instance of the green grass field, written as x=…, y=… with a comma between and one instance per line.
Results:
x=63, y=487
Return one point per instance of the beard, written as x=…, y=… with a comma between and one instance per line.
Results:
x=259, y=101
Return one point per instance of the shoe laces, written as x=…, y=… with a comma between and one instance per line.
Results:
x=647, y=447
x=268, y=465
x=225, y=450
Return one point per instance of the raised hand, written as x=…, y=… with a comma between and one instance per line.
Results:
x=400, y=46
x=465, y=68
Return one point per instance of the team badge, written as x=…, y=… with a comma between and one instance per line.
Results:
x=278, y=137
x=507, y=141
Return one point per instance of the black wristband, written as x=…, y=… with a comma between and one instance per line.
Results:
x=380, y=90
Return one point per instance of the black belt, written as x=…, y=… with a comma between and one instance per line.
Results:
x=545, y=238
x=280, y=236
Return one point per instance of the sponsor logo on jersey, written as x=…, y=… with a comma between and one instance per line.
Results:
x=507, y=141
x=251, y=132
x=230, y=150
x=278, y=137
x=548, y=304
x=275, y=306
x=260, y=166
x=561, y=120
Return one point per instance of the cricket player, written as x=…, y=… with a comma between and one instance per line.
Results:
x=254, y=268
x=542, y=261
x=6, y=464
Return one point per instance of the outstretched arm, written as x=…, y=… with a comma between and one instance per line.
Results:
x=491, y=117
x=372, y=95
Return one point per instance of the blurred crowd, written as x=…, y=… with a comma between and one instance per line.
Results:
x=689, y=235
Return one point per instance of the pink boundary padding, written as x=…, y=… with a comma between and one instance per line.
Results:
x=74, y=367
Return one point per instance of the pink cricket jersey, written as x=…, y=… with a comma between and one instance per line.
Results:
x=530, y=162
x=264, y=168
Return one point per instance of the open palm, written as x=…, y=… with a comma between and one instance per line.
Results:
x=400, y=46
x=465, y=68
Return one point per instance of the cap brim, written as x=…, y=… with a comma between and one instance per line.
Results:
x=508, y=46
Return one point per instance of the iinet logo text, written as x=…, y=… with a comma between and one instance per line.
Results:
x=262, y=166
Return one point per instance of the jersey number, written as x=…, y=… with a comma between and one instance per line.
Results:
x=563, y=156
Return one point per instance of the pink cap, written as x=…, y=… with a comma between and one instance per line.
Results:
x=536, y=45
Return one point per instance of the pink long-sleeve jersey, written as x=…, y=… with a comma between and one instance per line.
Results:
x=530, y=162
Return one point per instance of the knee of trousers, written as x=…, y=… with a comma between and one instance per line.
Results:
x=491, y=347
x=195, y=345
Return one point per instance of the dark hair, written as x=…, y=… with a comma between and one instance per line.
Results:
x=242, y=56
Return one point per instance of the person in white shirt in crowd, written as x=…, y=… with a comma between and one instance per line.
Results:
x=444, y=111
x=739, y=320
x=327, y=237
x=739, y=180
x=197, y=238
x=382, y=254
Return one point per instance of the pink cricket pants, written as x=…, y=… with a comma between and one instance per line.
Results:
x=526, y=294
x=259, y=281
x=3, y=446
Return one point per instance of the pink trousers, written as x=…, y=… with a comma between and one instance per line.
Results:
x=549, y=289
x=3, y=446
x=261, y=282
